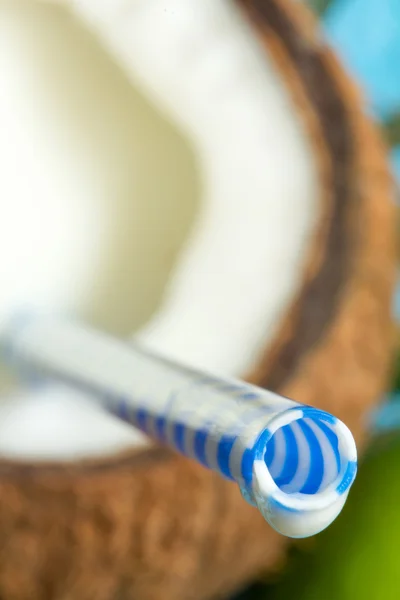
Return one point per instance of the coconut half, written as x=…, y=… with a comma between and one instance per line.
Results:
x=278, y=266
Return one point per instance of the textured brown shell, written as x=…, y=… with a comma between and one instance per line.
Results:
x=153, y=525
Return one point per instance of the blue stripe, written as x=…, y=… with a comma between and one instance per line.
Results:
x=225, y=446
x=333, y=440
x=179, y=437
x=250, y=396
x=199, y=446
x=160, y=424
x=348, y=477
x=141, y=419
x=314, y=479
x=291, y=463
x=254, y=453
x=247, y=464
x=316, y=414
x=270, y=452
x=123, y=411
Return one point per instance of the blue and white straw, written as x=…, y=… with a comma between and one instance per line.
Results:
x=294, y=462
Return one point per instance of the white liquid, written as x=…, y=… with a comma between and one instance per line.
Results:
x=97, y=190
x=100, y=192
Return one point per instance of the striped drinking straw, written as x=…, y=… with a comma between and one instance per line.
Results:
x=295, y=463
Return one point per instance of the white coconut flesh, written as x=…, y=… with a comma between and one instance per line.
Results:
x=192, y=240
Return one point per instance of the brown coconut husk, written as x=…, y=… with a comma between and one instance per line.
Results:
x=152, y=525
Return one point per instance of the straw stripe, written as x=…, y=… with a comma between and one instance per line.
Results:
x=285, y=456
x=316, y=470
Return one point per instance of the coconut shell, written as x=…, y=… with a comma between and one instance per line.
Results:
x=150, y=524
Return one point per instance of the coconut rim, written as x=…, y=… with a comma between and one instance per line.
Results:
x=151, y=340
